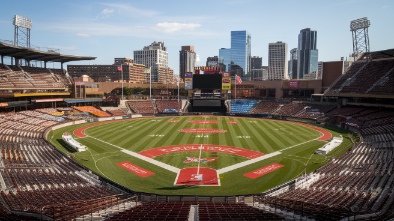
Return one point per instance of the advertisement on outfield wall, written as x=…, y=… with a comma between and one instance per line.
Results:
x=293, y=84
x=189, y=81
x=226, y=81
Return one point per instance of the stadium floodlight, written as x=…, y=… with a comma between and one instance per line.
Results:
x=359, y=29
x=22, y=22
x=22, y=27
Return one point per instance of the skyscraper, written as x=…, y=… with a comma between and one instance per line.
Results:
x=154, y=56
x=240, y=54
x=307, y=52
x=187, y=60
x=256, y=68
x=293, y=62
x=277, y=61
x=225, y=59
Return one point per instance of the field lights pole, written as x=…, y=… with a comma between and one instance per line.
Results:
x=235, y=84
x=150, y=83
x=121, y=71
x=177, y=84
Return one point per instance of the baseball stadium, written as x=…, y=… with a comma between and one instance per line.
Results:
x=223, y=150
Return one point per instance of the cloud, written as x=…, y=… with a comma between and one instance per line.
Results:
x=384, y=7
x=130, y=10
x=82, y=35
x=175, y=26
x=197, y=58
x=107, y=12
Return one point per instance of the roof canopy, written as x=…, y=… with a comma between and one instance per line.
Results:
x=375, y=55
x=31, y=54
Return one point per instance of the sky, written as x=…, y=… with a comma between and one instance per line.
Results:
x=115, y=28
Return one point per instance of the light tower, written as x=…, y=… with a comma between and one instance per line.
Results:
x=359, y=29
x=22, y=31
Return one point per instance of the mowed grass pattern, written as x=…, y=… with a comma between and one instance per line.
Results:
x=296, y=143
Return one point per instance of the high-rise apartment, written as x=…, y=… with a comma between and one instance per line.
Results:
x=307, y=53
x=277, y=61
x=240, y=54
x=187, y=60
x=154, y=56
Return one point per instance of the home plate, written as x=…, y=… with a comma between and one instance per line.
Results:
x=193, y=177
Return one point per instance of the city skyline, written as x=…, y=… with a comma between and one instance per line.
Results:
x=114, y=29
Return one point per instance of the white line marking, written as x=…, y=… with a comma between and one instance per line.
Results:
x=142, y=157
x=248, y=162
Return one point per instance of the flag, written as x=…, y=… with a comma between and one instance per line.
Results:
x=147, y=70
x=238, y=79
x=120, y=68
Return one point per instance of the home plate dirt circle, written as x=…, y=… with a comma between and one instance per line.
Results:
x=193, y=176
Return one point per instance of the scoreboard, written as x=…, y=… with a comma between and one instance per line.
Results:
x=207, y=81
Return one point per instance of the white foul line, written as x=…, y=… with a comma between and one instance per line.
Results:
x=142, y=157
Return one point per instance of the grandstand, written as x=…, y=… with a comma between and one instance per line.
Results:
x=39, y=182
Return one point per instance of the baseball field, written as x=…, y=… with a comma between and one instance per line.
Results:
x=200, y=155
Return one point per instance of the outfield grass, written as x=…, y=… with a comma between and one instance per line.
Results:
x=296, y=143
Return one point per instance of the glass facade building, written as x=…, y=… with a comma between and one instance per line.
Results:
x=293, y=62
x=241, y=54
x=225, y=59
x=307, y=53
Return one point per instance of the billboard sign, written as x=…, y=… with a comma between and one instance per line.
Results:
x=226, y=81
x=189, y=81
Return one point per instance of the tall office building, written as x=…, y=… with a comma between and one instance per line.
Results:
x=187, y=60
x=256, y=68
x=277, y=61
x=240, y=54
x=307, y=53
x=293, y=64
x=225, y=59
x=154, y=56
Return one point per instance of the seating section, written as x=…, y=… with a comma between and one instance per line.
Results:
x=208, y=211
x=167, y=106
x=354, y=68
x=266, y=107
x=291, y=109
x=166, y=211
x=242, y=106
x=373, y=77
x=141, y=107
x=35, y=176
x=361, y=179
x=92, y=110
x=32, y=77
x=116, y=112
x=315, y=111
